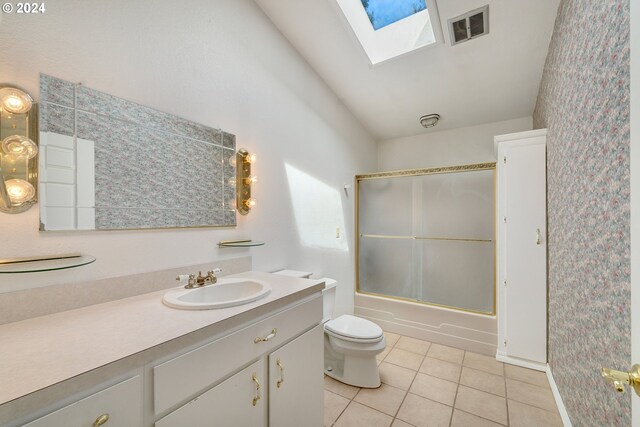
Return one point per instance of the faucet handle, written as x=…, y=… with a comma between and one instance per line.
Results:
x=216, y=270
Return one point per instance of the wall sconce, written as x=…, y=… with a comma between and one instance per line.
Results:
x=18, y=150
x=244, y=180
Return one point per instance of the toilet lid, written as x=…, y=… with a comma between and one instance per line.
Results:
x=354, y=327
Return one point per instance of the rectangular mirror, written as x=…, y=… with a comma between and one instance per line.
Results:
x=111, y=164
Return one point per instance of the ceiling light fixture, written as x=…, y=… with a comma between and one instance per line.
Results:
x=429, y=120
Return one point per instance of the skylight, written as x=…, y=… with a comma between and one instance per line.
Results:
x=384, y=12
x=389, y=28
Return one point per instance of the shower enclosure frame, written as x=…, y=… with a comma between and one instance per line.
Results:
x=420, y=172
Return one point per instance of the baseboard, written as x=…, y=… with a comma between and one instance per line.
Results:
x=538, y=366
x=556, y=395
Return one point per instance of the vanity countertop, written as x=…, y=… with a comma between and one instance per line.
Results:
x=43, y=351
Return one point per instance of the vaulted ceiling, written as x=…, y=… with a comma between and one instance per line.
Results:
x=494, y=77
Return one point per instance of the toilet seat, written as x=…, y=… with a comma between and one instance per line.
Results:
x=354, y=329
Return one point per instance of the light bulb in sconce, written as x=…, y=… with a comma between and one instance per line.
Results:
x=19, y=191
x=232, y=160
x=251, y=158
x=232, y=204
x=19, y=146
x=15, y=101
x=250, y=202
x=251, y=180
x=232, y=182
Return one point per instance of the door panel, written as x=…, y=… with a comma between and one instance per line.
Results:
x=526, y=246
x=296, y=382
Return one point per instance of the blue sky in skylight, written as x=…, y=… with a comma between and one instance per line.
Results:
x=384, y=12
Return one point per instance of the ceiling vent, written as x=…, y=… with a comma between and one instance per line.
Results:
x=469, y=25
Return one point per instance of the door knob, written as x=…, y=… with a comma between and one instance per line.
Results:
x=620, y=378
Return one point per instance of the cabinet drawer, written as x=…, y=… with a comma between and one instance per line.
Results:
x=122, y=403
x=230, y=403
x=179, y=379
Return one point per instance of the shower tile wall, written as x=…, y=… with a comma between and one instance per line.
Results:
x=584, y=103
x=152, y=169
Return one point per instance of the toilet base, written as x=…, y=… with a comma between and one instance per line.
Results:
x=345, y=362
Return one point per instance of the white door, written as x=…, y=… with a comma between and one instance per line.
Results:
x=526, y=262
x=237, y=401
x=296, y=382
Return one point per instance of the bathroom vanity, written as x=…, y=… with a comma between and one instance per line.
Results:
x=136, y=362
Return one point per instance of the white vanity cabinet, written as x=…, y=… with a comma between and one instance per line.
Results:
x=118, y=405
x=522, y=249
x=289, y=349
x=282, y=389
x=262, y=368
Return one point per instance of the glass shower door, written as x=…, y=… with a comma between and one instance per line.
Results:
x=428, y=236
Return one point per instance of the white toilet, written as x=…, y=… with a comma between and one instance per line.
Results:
x=350, y=343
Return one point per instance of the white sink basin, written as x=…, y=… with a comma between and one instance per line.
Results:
x=225, y=293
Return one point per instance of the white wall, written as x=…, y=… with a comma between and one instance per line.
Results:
x=220, y=63
x=473, y=144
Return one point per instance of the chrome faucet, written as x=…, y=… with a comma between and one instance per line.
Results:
x=200, y=280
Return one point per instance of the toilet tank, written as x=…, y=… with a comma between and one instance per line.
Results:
x=328, y=293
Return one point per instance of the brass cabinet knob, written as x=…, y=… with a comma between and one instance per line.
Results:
x=101, y=420
x=620, y=378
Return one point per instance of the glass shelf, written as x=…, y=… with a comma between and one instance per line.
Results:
x=34, y=265
x=239, y=243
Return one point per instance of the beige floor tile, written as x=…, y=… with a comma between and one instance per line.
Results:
x=433, y=388
x=462, y=419
x=521, y=415
x=483, y=363
x=400, y=423
x=333, y=407
x=448, y=354
x=526, y=375
x=413, y=345
x=484, y=381
x=531, y=395
x=391, y=338
x=404, y=358
x=396, y=376
x=342, y=389
x=422, y=412
x=385, y=398
x=357, y=415
x=384, y=353
x=441, y=369
x=482, y=404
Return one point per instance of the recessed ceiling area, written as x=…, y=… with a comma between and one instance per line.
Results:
x=492, y=78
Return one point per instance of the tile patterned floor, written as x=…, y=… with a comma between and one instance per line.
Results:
x=426, y=384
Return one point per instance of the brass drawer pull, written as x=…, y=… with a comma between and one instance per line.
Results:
x=281, y=380
x=257, y=396
x=101, y=420
x=538, y=237
x=273, y=333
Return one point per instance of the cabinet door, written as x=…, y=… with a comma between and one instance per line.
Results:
x=234, y=402
x=119, y=405
x=525, y=254
x=296, y=382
